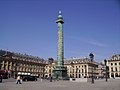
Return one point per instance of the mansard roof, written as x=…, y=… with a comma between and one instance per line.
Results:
x=115, y=57
x=23, y=57
x=78, y=60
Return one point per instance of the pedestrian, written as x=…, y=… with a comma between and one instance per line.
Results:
x=50, y=78
x=41, y=79
x=0, y=78
x=21, y=80
x=18, y=81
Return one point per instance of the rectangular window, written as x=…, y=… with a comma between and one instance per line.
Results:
x=76, y=75
x=111, y=64
x=116, y=69
x=111, y=69
x=82, y=70
x=73, y=75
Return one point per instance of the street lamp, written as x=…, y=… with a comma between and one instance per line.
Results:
x=105, y=61
x=91, y=58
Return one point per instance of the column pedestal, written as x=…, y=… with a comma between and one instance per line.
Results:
x=60, y=72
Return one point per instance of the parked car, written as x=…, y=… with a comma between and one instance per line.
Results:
x=29, y=78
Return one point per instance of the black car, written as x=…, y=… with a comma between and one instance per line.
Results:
x=29, y=78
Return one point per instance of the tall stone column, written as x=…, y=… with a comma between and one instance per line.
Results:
x=60, y=72
x=60, y=50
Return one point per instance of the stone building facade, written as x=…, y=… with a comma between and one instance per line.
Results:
x=24, y=64
x=101, y=70
x=76, y=67
x=114, y=66
x=80, y=67
x=17, y=63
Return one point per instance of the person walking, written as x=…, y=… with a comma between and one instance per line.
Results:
x=41, y=79
x=50, y=78
x=0, y=78
x=18, y=80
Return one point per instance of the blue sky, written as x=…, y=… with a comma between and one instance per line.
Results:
x=28, y=26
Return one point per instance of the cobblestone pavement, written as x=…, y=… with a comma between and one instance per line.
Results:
x=62, y=85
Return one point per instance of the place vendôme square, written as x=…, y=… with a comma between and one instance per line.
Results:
x=50, y=45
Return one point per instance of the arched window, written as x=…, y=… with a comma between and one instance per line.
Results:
x=112, y=75
x=116, y=74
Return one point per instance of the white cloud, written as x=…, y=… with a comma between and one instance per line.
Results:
x=90, y=41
